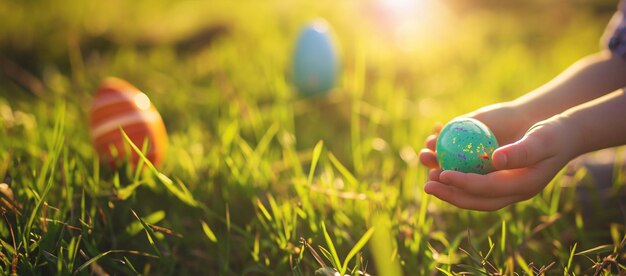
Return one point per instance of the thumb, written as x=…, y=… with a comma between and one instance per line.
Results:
x=535, y=146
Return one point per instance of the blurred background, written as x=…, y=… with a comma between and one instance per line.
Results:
x=415, y=60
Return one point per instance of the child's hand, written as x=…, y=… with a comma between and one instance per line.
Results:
x=505, y=120
x=581, y=120
x=524, y=168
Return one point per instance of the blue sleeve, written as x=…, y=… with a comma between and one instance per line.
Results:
x=616, y=33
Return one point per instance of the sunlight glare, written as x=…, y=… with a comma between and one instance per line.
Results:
x=142, y=101
x=411, y=22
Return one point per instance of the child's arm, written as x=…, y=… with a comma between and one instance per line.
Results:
x=587, y=79
x=527, y=166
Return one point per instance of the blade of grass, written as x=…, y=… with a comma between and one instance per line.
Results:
x=569, y=260
x=316, y=155
x=60, y=259
x=99, y=256
x=523, y=264
x=130, y=266
x=360, y=244
x=331, y=247
x=7, y=246
x=154, y=218
x=125, y=192
x=139, y=167
x=358, y=82
x=602, y=249
x=255, y=248
x=149, y=233
x=72, y=249
x=444, y=271
x=381, y=246
x=615, y=235
x=316, y=256
x=349, y=177
x=492, y=245
x=208, y=232
x=181, y=193
x=421, y=220
x=503, y=237
x=326, y=254
x=229, y=133
x=57, y=146
x=266, y=139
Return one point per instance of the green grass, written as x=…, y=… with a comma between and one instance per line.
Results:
x=261, y=181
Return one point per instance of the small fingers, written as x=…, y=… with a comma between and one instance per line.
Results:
x=431, y=142
x=428, y=158
x=496, y=184
x=462, y=199
x=437, y=128
x=434, y=174
x=537, y=145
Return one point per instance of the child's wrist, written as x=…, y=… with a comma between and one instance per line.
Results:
x=523, y=113
x=572, y=135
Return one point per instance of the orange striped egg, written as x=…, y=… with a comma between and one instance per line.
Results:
x=119, y=104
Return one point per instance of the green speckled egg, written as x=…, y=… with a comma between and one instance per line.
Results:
x=466, y=145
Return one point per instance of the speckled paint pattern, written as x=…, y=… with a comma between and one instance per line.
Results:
x=466, y=145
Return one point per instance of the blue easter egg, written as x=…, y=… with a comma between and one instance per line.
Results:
x=466, y=145
x=315, y=62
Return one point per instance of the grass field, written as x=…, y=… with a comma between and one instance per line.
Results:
x=261, y=181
